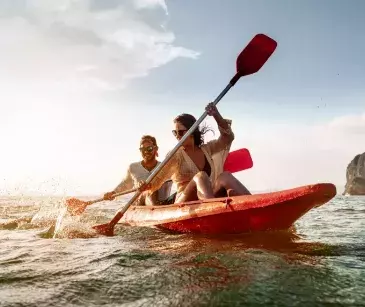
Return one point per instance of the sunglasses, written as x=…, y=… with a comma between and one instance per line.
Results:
x=147, y=149
x=178, y=132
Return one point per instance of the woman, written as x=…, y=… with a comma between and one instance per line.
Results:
x=141, y=170
x=192, y=168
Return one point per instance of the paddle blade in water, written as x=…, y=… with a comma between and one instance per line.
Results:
x=238, y=160
x=104, y=229
x=255, y=55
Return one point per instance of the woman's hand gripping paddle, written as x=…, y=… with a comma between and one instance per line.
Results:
x=249, y=61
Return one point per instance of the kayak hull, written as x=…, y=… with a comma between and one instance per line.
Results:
x=239, y=214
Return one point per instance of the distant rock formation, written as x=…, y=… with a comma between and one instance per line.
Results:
x=355, y=176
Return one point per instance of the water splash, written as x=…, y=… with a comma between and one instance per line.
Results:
x=72, y=227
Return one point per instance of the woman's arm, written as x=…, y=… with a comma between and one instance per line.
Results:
x=224, y=125
x=213, y=111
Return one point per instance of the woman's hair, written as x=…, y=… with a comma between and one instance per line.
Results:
x=148, y=138
x=188, y=121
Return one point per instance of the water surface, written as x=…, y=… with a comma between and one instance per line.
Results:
x=321, y=262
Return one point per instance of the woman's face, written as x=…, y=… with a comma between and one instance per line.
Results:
x=148, y=150
x=179, y=131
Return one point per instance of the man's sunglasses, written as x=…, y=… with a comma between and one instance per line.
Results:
x=178, y=132
x=147, y=149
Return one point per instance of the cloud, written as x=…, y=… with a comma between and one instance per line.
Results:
x=59, y=60
x=152, y=3
x=349, y=124
x=85, y=43
x=286, y=155
x=341, y=133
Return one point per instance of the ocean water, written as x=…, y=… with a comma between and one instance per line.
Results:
x=320, y=262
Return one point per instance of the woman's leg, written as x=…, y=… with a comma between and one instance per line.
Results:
x=227, y=181
x=199, y=187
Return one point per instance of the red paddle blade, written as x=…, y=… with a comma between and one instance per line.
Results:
x=238, y=160
x=104, y=229
x=255, y=55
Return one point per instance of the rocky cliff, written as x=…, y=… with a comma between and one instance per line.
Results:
x=355, y=176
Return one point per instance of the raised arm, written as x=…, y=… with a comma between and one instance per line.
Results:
x=226, y=136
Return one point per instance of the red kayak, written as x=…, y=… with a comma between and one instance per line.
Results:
x=239, y=214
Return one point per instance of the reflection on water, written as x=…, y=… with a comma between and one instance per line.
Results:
x=319, y=262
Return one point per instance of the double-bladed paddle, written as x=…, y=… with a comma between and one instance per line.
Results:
x=236, y=161
x=249, y=61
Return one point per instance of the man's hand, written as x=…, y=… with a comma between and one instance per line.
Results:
x=109, y=196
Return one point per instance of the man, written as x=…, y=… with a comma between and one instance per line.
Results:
x=140, y=171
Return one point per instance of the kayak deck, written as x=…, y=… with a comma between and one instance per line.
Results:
x=259, y=212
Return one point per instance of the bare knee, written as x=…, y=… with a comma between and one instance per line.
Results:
x=224, y=178
x=226, y=174
x=201, y=176
x=203, y=185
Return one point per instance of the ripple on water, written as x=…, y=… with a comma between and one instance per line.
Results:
x=318, y=263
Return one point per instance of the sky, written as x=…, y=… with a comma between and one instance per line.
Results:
x=82, y=81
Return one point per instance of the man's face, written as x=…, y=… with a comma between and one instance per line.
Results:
x=148, y=150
